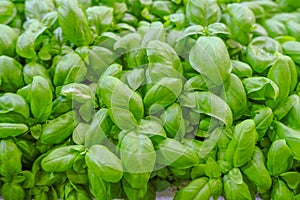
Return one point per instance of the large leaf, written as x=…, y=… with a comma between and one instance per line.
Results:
x=74, y=23
x=104, y=164
x=61, y=159
x=210, y=58
x=241, y=147
x=209, y=104
x=203, y=12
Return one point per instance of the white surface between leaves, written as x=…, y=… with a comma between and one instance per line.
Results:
x=170, y=193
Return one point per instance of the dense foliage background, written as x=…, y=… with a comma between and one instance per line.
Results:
x=121, y=99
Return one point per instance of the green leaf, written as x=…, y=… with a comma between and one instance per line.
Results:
x=235, y=187
x=195, y=83
x=10, y=74
x=77, y=92
x=261, y=88
x=209, y=104
x=62, y=158
x=33, y=69
x=284, y=109
x=100, y=18
x=235, y=96
x=117, y=95
x=74, y=23
x=137, y=154
x=241, y=147
x=256, y=171
x=152, y=129
x=291, y=136
x=280, y=74
x=162, y=8
x=99, y=128
x=173, y=121
x=12, y=130
x=275, y=28
x=12, y=191
x=37, y=10
x=98, y=60
x=134, y=193
x=263, y=118
x=57, y=130
x=10, y=158
x=162, y=94
x=8, y=12
x=210, y=58
x=8, y=39
x=240, y=21
x=262, y=52
x=98, y=187
x=27, y=41
x=40, y=98
x=196, y=189
x=203, y=12
x=69, y=70
x=281, y=191
x=134, y=78
x=28, y=149
x=241, y=69
x=216, y=187
x=13, y=103
x=29, y=179
x=293, y=114
x=291, y=48
x=173, y=153
x=104, y=164
x=160, y=52
x=212, y=169
x=280, y=158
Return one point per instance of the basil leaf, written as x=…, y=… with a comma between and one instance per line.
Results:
x=74, y=23
x=240, y=21
x=26, y=42
x=203, y=12
x=174, y=121
x=117, y=95
x=291, y=136
x=263, y=118
x=280, y=190
x=196, y=189
x=104, y=164
x=68, y=70
x=8, y=39
x=210, y=58
x=241, y=147
x=261, y=88
x=256, y=171
x=57, y=130
x=235, y=189
x=40, y=98
x=100, y=18
x=10, y=74
x=12, y=130
x=209, y=104
x=98, y=187
x=173, y=153
x=12, y=190
x=10, y=158
x=262, y=53
x=99, y=128
x=281, y=75
x=235, y=96
x=61, y=159
x=280, y=158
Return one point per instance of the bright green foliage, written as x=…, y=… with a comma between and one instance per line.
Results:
x=121, y=99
